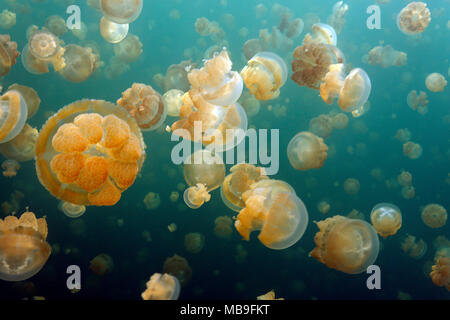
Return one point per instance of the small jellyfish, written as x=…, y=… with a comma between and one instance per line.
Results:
x=202, y=26
x=404, y=179
x=408, y=192
x=46, y=47
x=321, y=33
x=264, y=75
x=323, y=207
x=306, y=151
x=340, y=121
x=174, y=196
x=268, y=296
x=7, y=19
x=10, y=168
x=14, y=112
x=386, y=218
x=113, y=32
x=434, y=215
x=386, y=57
x=414, y=18
x=8, y=54
x=23, y=147
x=71, y=210
x=337, y=17
x=194, y=242
x=272, y=207
x=172, y=227
x=347, y=245
x=173, y=101
x=101, y=264
x=80, y=63
x=223, y=227
x=152, y=200
x=250, y=104
x=412, y=150
x=56, y=25
x=129, y=49
x=403, y=135
x=32, y=64
x=206, y=168
x=145, y=105
x=176, y=77
x=196, y=196
x=435, y=82
x=121, y=11
x=440, y=273
x=23, y=246
x=417, y=102
x=415, y=249
x=178, y=267
x=162, y=287
x=321, y=126
x=351, y=186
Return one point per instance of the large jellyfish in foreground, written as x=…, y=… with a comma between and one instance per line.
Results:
x=306, y=151
x=113, y=32
x=89, y=152
x=162, y=287
x=23, y=246
x=414, y=18
x=344, y=244
x=386, y=219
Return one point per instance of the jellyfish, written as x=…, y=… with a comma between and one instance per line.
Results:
x=272, y=207
x=268, y=296
x=250, y=104
x=89, y=152
x=178, y=267
x=347, y=245
x=46, y=47
x=340, y=121
x=321, y=126
x=412, y=150
x=251, y=47
x=321, y=33
x=223, y=227
x=435, y=82
x=32, y=64
x=418, y=102
x=10, y=168
x=434, y=215
x=80, y=63
x=295, y=28
x=337, y=17
x=174, y=196
x=404, y=179
x=113, y=32
x=202, y=26
x=152, y=200
x=205, y=168
x=386, y=219
x=145, y=105
x=440, y=273
x=129, y=49
x=414, y=18
x=415, y=249
x=403, y=135
x=306, y=151
x=121, y=11
x=7, y=19
x=351, y=186
x=71, y=210
x=196, y=196
x=173, y=101
x=56, y=25
x=408, y=192
x=81, y=33
x=176, y=77
x=101, y=264
x=8, y=54
x=14, y=112
x=264, y=75
x=172, y=227
x=31, y=98
x=22, y=148
x=323, y=207
x=161, y=287
x=386, y=57
x=194, y=242
x=23, y=246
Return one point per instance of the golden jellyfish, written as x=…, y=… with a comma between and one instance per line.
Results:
x=340, y=121
x=46, y=47
x=268, y=296
x=347, y=245
x=321, y=126
x=323, y=207
x=404, y=179
x=10, y=168
x=7, y=19
x=386, y=57
x=174, y=196
x=89, y=152
x=241, y=177
x=386, y=218
x=162, y=287
x=415, y=249
x=434, y=215
x=196, y=196
x=414, y=18
x=101, y=264
x=23, y=246
x=80, y=63
x=412, y=150
x=435, y=82
x=204, y=167
x=8, y=54
x=351, y=186
x=176, y=77
x=321, y=33
x=194, y=242
x=337, y=17
x=129, y=49
x=272, y=207
x=178, y=267
x=202, y=26
x=31, y=63
x=31, y=98
x=121, y=11
x=14, y=112
x=152, y=200
x=145, y=105
x=173, y=101
x=23, y=147
x=56, y=25
x=440, y=273
x=418, y=102
x=403, y=135
x=250, y=104
x=172, y=227
x=71, y=210
x=223, y=227
x=113, y=32
x=408, y=192
x=306, y=151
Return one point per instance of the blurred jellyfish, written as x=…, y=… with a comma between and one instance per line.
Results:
x=121, y=11
x=196, y=196
x=403, y=135
x=194, y=242
x=412, y=150
x=440, y=274
x=408, y=192
x=31, y=63
x=46, y=47
x=340, y=121
x=7, y=19
x=129, y=49
x=223, y=227
x=81, y=33
x=14, y=112
x=404, y=179
x=101, y=264
x=113, y=32
x=414, y=18
x=386, y=218
x=417, y=102
x=351, y=186
x=23, y=246
x=347, y=245
x=56, y=25
x=434, y=215
x=250, y=104
x=8, y=54
x=251, y=47
x=295, y=28
x=206, y=168
x=260, y=10
x=176, y=77
x=323, y=207
x=162, y=287
x=268, y=296
x=321, y=33
x=435, y=82
x=202, y=26
x=173, y=101
x=321, y=126
x=306, y=151
x=172, y=227
x=31, y=98
x=386, y=57
x=152, y=200
x=174, y=195
x=178, y=267
x=415, y=249
x=10, y=168
x=71, y=210
x=337, y=17
x=80, y=63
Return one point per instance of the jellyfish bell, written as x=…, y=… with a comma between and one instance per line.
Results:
x=386, y=218
x=8, y=54
x=414, y=18
x=31, y=98
x=440, y=273
x=101, y=264
x=196, y=196
x=23, y=147
x=45, y=46
x=13, y=115
x=113, y=32
x=10, y=167
x=31, y=63
x=205, y=168
x=322, y=33
x=129, y=49
x=80, y=63
x=306, y=151
x=121, y=11
x=435, y=82
x=434, y=215
x=162, y=287
x=71, y=210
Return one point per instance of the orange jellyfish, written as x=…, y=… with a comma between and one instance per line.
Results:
x=113, y=32
x=46, y=47
x=89, y=152
x=414, y=18
x=386, y=219
x=205, y=168
x=101, y=264
x=434, y=215
x=31, y=98
x=412, y=150
x=268, y=296
x=71, y=210
x=415, y=249
x=323, y=207
x=264, y=75
x=14, y=112
x=196, y=196
x=404, y=179
x=351, y=186
x=23, y=246
x=145, y=105
x=347, y=245
x=129, y=49
x=8, y=54
x=435, y=82
x=178, y=267
x=152, y=200
x=10, y=168
x=223, y=227
x=162, y=287
x=321, y=33
x=272, y=207
x=194, y=242
x=240, y=179
x=79, y=63
x=121, y=11
x=440, y=274
x=22, y=148
x=306, y=151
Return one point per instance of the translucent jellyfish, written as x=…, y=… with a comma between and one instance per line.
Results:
x=337, y=17
x=260, y=10
x=417, y=102
x=81, y=33
x=176, y=77
x=412, y=150
x=295, y=28
x=202, y=26
x=323, y=207
x=321, y=33
x=340, y=121
x=56, y=25
x=272, y=207
x=22, y=148
x=204, y=167
x=414, y=18
x=311, y=63
x=129, y=49
x=152, y=200
x=89, y=152
x=415, y=249
x=113, y=32
x=268, y=296
x=252, y=47
x=403, y=135
x=80, y=63
x=173, y=101
x=351, y=186
x=321, y=126
x=386, y=57
x=435, y=82
x=162, y=287
x=7, y=19
x=121, y=11
x=23, y=246
x=404, y=179
x=386, y=218
x=408, y=192
x=196, y=196
x=172, y=227
x=223, y=227
x=13, y=114
x=347, y=245
x=194, y=242
x=178, y=267
x=8, y=54
x=71, y=210
x=440, y=274
x=31, y=63
x=46, y=47
x=10, y=168
x=174, y=196
x=31, y=98
x=264, y=75
x=306, y=151
x=101, y=264
x=250, y=104
x=434, y=215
